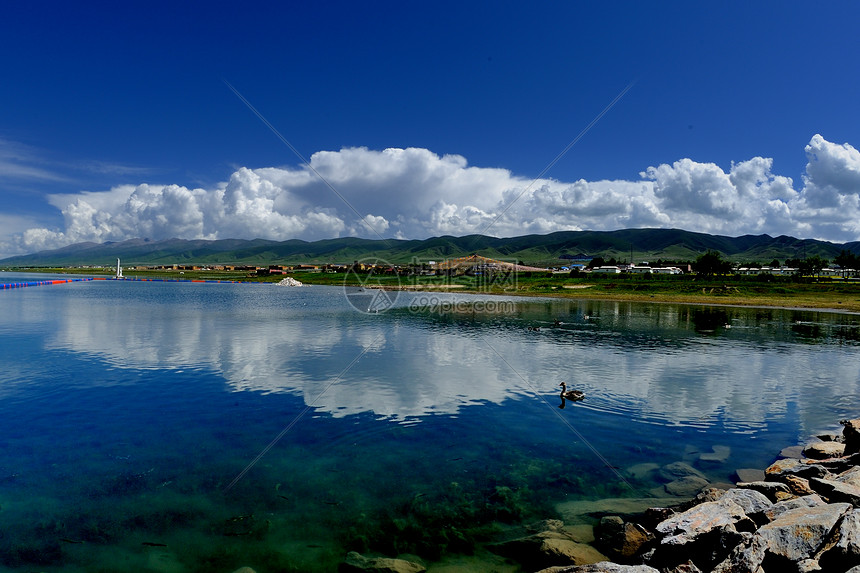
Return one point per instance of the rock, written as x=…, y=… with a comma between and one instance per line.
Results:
x=610, y=526
x=719, y=455
x=547, y=549
x=837, y=465
x=798, y=486
x=687, y=486
x=795, y=452
x=678, y=470
x=781, y=468
x=749, y=474
x=708, y=494
x=828, y=437
x=686, y=527
x=768, y=488
x=622, y=540
x=777, y=509
x=836, y=491
x=851, y=435
x=851, y=476
x=746, y=557
x=566, y=551
x=357, y=562
x=808, y=566
x=797, y=534
x=244, y=570
x=845, y=552
x=642, y=471
x=688, y=567
x=824, y=450
x=602, y=567
x=754, y=503
x=635, y=539
x=290, y=282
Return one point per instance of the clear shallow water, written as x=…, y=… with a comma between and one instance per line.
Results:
x=202, y=427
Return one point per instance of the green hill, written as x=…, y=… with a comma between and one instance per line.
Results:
x=540, y=250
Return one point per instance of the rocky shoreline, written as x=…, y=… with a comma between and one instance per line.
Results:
x=801, y=514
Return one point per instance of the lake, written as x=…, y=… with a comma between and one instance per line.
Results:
x=185, y=427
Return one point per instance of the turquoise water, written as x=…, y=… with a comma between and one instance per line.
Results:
x=183, y=427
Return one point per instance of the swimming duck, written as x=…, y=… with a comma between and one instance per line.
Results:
x=574, y=395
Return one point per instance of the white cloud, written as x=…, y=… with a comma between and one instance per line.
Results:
x=415, y=193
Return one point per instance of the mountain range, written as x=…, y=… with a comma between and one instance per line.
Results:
x=544, y=250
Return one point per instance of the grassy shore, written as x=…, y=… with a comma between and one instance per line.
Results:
x=835, y=294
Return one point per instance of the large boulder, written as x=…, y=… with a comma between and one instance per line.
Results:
x=836, y=491
x=686, y=527
x=622, y=541
x=824, y=450
x=777, y=509
x=845, y=550
x=704, y=534
x=746, y=557
x=851, y=476
x=750, y=500
x=797, y=485
x=779, y=469
x=770, y=489
x=546, y=549
x=798, y=534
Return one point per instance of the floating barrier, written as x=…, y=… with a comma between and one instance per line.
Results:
x=42, y=283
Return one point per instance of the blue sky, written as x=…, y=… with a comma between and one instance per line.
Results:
x=117, y=121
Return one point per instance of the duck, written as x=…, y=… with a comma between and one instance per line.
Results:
x=574, y=395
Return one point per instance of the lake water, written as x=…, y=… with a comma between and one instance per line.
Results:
x=186, y=427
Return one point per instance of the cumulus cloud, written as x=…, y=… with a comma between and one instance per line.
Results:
x=415, y=193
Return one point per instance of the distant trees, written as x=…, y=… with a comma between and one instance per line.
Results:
x=712, y=263
x=847, y=260
x=811, y=266
x=597, y=262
